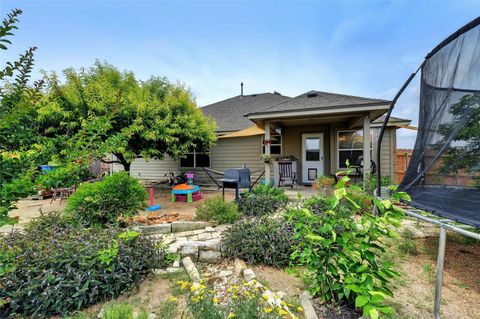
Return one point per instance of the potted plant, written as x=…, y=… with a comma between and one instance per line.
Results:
x=265, y=158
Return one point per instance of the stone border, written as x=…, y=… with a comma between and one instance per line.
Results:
x=174, y=227
x=308, y=310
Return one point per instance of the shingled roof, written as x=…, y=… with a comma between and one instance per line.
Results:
x=319, y=100
x=229, y=113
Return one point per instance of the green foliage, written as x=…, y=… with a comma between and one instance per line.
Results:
x=465, y=146
x=63, y=176
x=168, y=309
x=263, y=200
x=276, y=192
x=103, y=203
x=116, y=310
x=265, y=241
x=341, y=253
x=216, y=209
x=16, y=107
x=59, y=269
x=320, y=205
x=123, y=116
x=370, y=186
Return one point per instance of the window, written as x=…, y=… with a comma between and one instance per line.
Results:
x=276, y=146
x=195, y=159
x=350, y=147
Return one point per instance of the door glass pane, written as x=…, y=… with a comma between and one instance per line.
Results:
x=312, y=149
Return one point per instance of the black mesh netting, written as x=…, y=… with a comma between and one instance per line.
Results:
x=443, y=175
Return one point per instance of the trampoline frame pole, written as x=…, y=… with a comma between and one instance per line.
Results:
x=439, y=275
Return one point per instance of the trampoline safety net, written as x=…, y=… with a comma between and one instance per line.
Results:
x=443, y=176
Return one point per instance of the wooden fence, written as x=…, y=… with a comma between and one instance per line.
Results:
x=402, y=159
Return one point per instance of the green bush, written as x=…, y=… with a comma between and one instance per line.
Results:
x=341, y=253
x=260, y=241
x=276, y=192
x=103, y=203
x=319, y=205
x=263, y=200
x=260, y=205
x=216, y=209
x=59, y=269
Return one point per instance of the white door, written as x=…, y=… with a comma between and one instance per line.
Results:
x=312, y=157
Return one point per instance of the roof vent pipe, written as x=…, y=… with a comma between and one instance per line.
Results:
x=241, y=88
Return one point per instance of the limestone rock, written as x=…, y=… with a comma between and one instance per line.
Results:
x=181, y=226
x=210, y=256
x=190, y=251
x=191, y=269
x=240, y=266
x=248, y=275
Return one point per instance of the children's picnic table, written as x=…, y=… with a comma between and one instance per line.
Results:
x=188, y=192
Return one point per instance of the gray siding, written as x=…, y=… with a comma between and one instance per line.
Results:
x=153, y=169
x=227, y=153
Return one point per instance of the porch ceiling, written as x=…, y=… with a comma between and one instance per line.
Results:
x=351, y=120
x=351, y=117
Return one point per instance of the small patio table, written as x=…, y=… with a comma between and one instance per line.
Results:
x=188, y=192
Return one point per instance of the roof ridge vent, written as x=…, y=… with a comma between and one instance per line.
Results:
x=312, y=94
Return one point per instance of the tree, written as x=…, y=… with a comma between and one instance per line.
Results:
x=464, y=150
x=18, y=151
x=101, y=111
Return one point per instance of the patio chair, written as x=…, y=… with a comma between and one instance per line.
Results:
x=286, y=174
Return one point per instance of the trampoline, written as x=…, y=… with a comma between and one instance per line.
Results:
x=443, y=176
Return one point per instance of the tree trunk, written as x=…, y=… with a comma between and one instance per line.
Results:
x=123, y=161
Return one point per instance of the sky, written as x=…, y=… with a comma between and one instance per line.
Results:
x=365, y=48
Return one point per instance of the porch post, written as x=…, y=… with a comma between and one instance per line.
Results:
x=366, y=148
x=267, y=152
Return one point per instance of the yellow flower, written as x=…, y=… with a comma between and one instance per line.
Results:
x=282, y=312
x=267, y=310
x=264, y=296
x=299, y=309
x=231, y=315
x=215, y=300
x=173, y=299
x=283, y=303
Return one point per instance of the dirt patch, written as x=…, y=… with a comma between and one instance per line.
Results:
x=185, y=211
x=28, y=209
x=461, y=281
x=279, y=280
x=150, y=295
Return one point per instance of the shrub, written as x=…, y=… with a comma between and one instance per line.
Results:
x=60, y=269
x=217, y=209
x=342, y=257
x=260, y=241
x=104, y=203
x=276, y=192
x=260, y=205
x=319, y=205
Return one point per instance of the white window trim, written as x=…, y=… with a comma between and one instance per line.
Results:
x=350, y=149
x=281, y=144
x=194, y=153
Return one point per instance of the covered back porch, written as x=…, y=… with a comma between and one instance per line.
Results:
x=319, y=141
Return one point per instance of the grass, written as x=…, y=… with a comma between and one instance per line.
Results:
x=429, y=273
x=168, y=309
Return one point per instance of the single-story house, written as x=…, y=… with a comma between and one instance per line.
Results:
x=319, y=130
